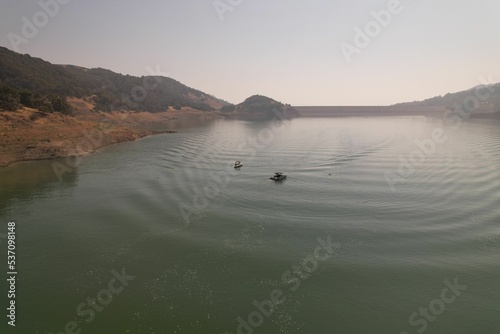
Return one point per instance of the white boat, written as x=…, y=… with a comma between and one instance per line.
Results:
x=238, y=164
x=278, y=176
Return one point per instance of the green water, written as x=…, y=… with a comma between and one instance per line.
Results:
x=200, y=241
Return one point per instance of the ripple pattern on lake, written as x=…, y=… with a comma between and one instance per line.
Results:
x=122, y=208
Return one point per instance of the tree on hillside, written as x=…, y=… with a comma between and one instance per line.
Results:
x=59, y=104
x=9, y=98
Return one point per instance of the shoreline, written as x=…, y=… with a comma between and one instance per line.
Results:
x=96, y=150
x=28, y=135
x=381, y=111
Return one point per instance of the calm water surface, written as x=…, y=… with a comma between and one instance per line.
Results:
x=203, y=241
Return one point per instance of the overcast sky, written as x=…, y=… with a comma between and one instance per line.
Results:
x=289, y=50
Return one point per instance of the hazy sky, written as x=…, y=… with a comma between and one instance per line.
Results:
x=286, y=49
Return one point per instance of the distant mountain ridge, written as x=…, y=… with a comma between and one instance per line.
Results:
x=42, y=83
x=36, y=83
x=486, y=98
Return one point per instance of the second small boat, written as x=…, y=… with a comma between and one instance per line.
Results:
x=278, y=176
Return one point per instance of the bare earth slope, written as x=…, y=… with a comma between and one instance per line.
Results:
x=28, y=134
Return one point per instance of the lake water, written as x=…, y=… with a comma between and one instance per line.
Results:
x=384, y=225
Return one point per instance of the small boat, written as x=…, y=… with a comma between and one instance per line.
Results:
x=278, y=176
x=238, y=164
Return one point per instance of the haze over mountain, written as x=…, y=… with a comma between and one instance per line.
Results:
x=33, y=82
x=486, y=98
x=285, y=49
x=24, y=78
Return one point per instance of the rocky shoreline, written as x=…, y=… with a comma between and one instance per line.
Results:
x=28, y=134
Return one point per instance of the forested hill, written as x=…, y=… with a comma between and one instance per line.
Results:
x=33, y=82
x=258, y=104
x=485, y=98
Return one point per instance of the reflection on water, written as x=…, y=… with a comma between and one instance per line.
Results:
x=26, y=180
x=120, y=209
x=183, y=124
